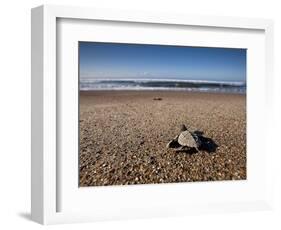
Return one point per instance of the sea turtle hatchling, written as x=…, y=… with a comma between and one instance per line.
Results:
x=185, y=140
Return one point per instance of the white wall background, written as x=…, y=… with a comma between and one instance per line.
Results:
x=15, y=112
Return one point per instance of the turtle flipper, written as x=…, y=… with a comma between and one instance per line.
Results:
x=180, y=149
x=183, y=149
x=173, y=143
x=186, y=149
x=170, y=144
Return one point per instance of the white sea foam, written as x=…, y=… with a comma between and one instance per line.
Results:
x=162, y=84
x=238, y=83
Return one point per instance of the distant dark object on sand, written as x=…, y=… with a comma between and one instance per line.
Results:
x=157, y=98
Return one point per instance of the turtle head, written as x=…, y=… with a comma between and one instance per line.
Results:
x=183, y=128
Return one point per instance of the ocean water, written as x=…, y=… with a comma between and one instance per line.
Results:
x=153, y=84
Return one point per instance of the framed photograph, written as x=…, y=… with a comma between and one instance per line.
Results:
x=138, y=114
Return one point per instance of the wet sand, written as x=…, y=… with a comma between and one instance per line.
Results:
x=123, y=137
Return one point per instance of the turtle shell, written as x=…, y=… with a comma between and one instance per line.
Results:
x=186, y=139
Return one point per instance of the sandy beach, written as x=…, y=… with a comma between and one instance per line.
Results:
x=123, y=137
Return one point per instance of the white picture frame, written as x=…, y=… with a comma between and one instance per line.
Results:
x=47, y=176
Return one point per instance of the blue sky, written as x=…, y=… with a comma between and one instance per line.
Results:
x=136, y=61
